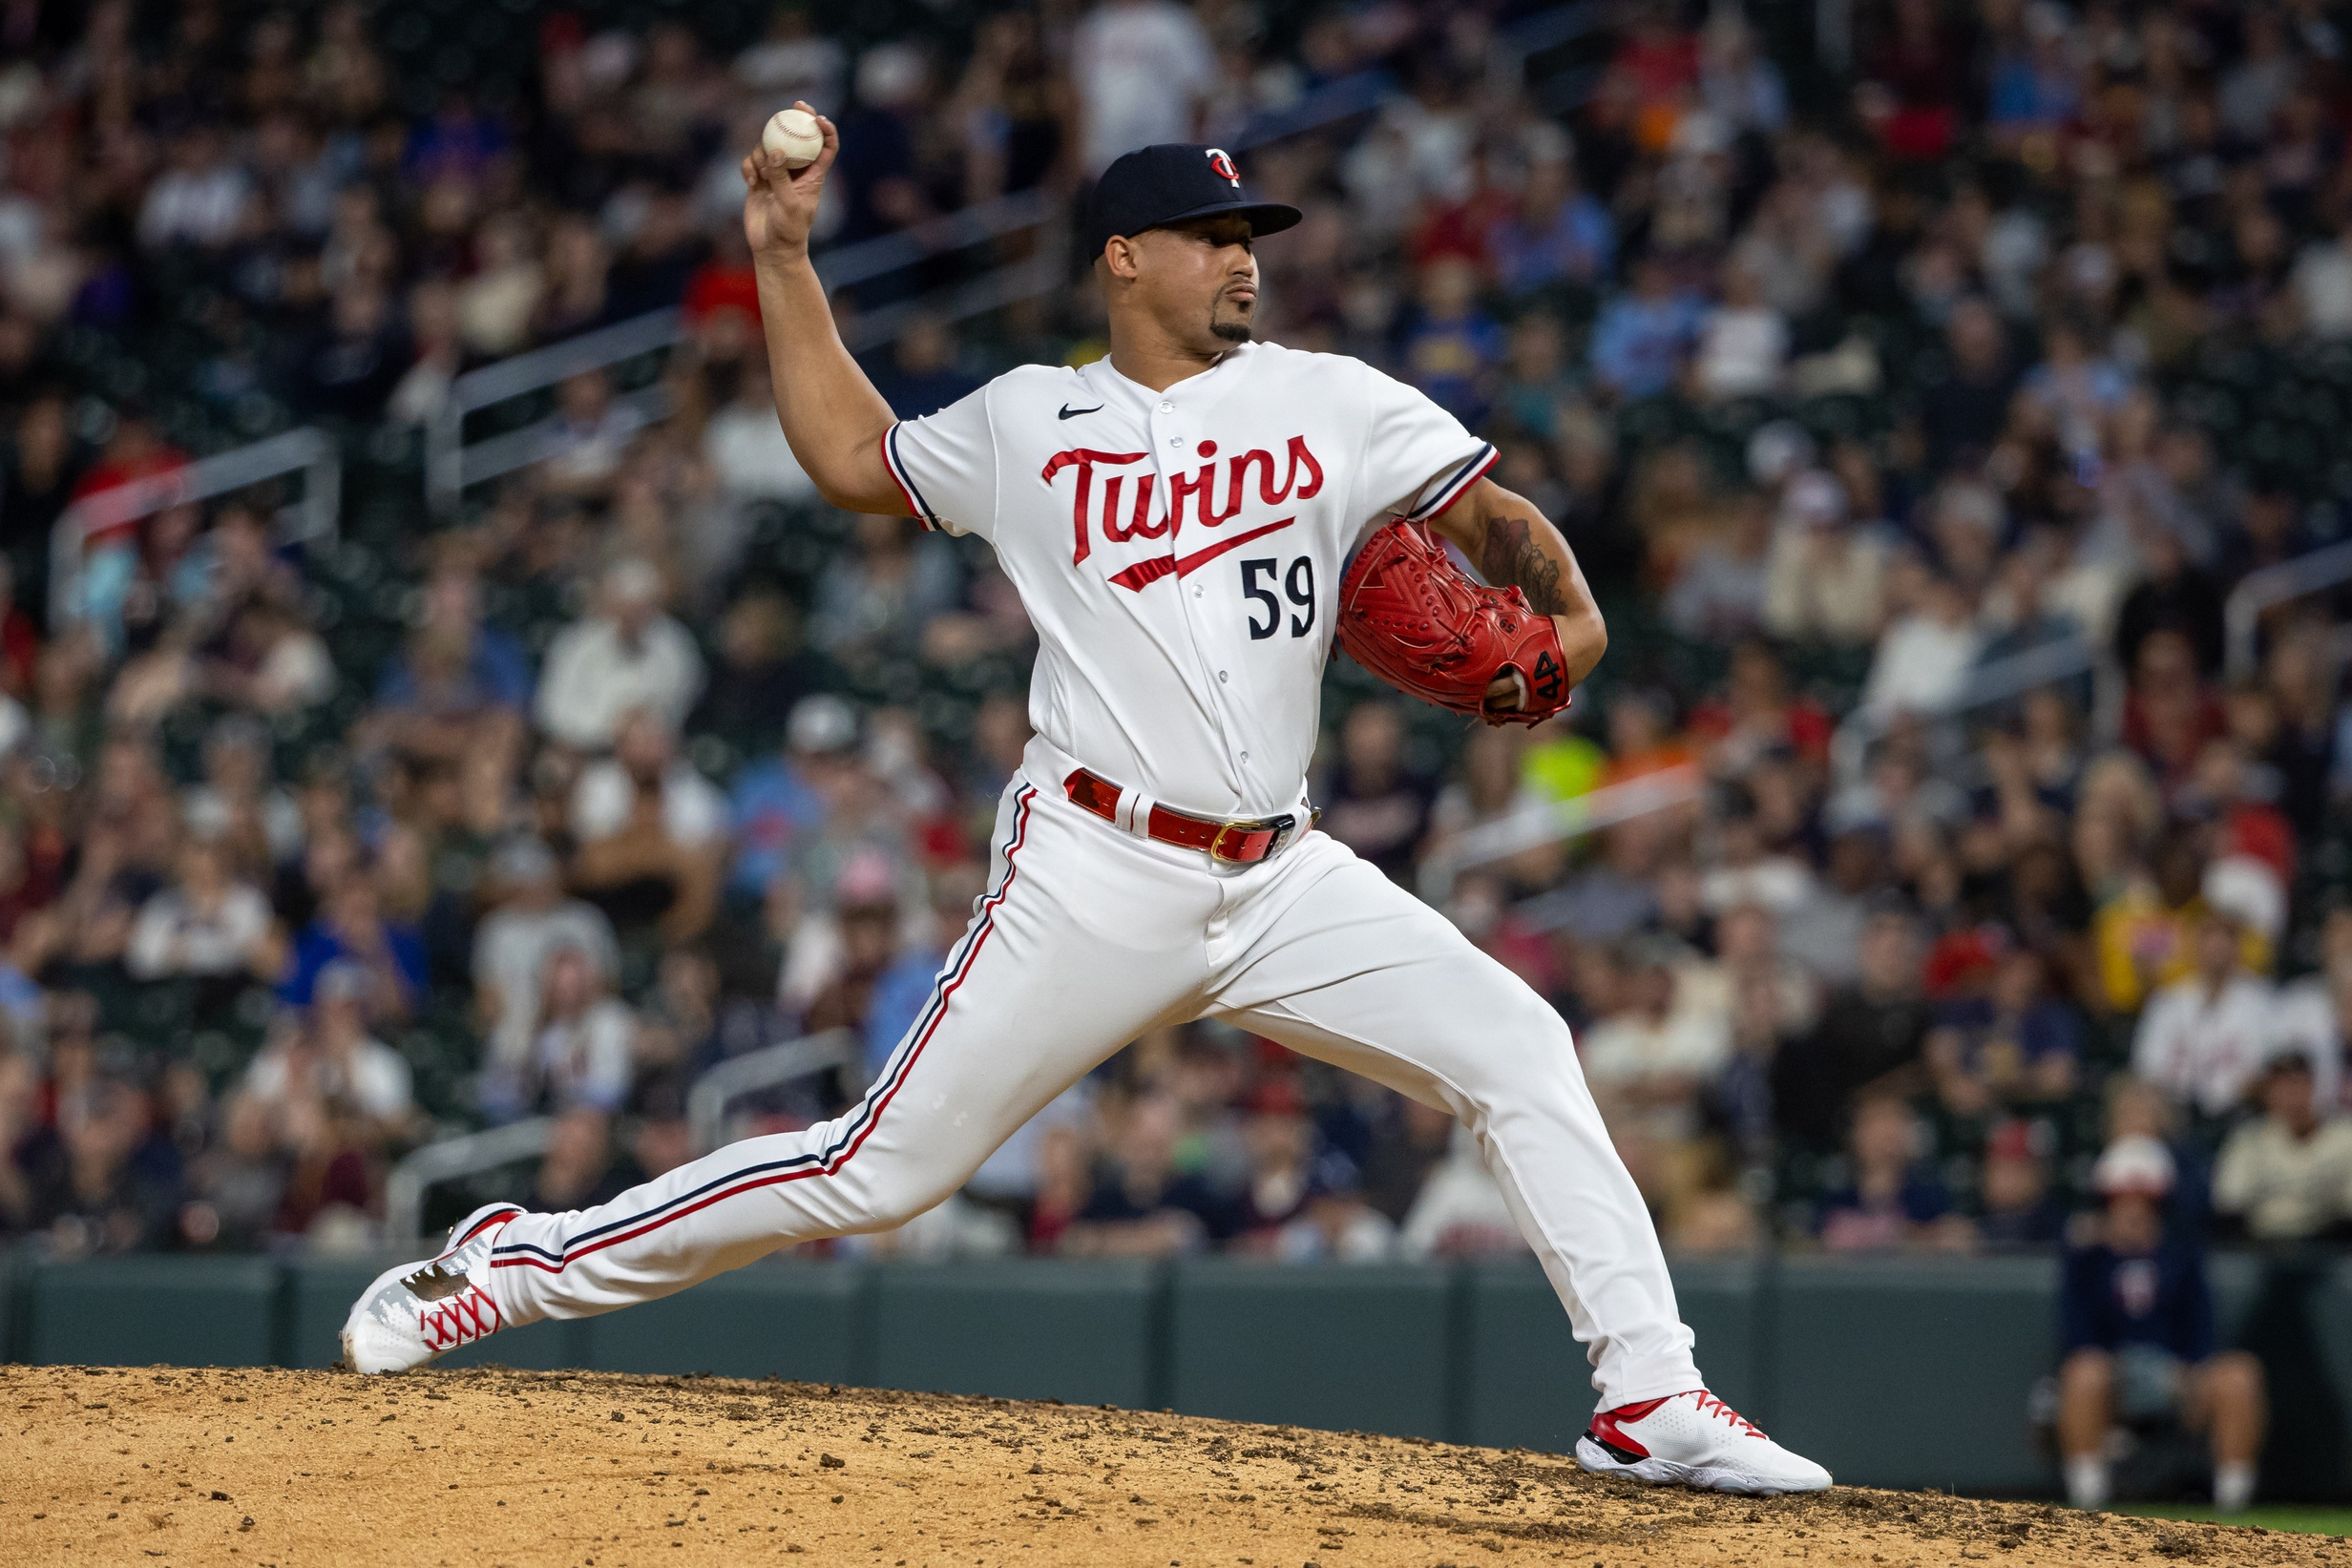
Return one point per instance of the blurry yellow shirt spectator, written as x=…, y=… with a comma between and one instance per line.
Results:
x=2141, y=944
x=1563, y=767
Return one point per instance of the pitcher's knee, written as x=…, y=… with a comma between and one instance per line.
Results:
x=897, y=1194
x=1517, y=1054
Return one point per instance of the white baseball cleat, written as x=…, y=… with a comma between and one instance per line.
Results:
x=414, y=1313
x=1693, y=1439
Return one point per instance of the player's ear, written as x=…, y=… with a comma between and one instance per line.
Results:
x=1120, y=257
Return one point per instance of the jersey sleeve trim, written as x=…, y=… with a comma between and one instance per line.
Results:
x=905, y=482
x=1449, y=490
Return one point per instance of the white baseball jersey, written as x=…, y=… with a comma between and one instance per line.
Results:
x=1178, y=551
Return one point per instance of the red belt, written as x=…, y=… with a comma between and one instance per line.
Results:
x=1244, y=843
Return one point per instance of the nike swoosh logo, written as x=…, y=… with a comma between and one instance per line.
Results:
x=1143, y=574
x=1068, y=412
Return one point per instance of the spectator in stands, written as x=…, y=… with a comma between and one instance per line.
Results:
x=1651, y=1060
x=866, y=921
x=1928, y=647
x=1335, y=1224
x=922, y=376
x=2202, y=1038
x=1373, y=804
x=1538, y=395
x=582, y=446
x=529, y=918
x=1743, y=343
x=456, y=668
x=1144, y=71
x=2170, y=715
x=237, y=1184
x=578, y=1170
x=2143, y=932
x=351, y=928
x=201, y=200
x=745, y=444
x=1460, y=1212
x=764, y=671
x=2017, y=1045
x=1280, y=1141
x=2172, y=595
x=872, y=601
x=1452, y=348
x=2286, y=1176
x=1870, y=1039
x=1757, y=716
x=1141, y=1205
x=86, y=1188
x=1408, y=1141
x=332, y=1055
x=777, y=801
x=582, y=1053
x=1641, y=336
x=1892, y=1199
x=2017, y=1210
x=905, y=987
x=652, y=831
x=629, y=655
x=2312, y=1016
x=206, y=924
x=1962, y=414
x=2136, y=1330
x=1555, y=234
x=1721, y=590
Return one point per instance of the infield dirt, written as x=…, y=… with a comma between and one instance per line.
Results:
x=265, y=1469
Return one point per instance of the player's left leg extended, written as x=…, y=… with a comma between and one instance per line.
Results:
x=1083, y=942
x=1337, y=962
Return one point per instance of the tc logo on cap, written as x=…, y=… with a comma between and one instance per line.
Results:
x=1224, y=165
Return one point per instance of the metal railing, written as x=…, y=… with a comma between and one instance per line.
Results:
x=2003, y=681
x=448, y=1161
x=1516, y=47
x=451, y=466
x=1555, y=822
x=2271, y=586
x=471, y=1154
x=706, y=1103
x=308, y=451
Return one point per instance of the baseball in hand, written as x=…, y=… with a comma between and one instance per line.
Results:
x=793, y=133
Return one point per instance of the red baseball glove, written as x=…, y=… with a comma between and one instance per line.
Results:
x=1417, y=621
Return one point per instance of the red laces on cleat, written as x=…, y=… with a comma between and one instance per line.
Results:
x=461, y=1320
x=1708, y=1405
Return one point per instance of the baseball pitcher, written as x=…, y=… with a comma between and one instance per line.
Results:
x=1190, y=523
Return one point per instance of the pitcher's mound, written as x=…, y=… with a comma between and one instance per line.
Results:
x=262, y=1468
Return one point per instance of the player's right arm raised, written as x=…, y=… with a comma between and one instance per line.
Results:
x=831, y=414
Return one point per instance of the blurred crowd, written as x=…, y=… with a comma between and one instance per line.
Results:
x=1916, y=397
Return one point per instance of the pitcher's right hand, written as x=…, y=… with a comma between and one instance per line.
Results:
x=779, y=204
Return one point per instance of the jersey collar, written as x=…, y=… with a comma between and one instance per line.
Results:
x=1198, y=392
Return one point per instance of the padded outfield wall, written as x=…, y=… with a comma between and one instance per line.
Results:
x=1913, y=1372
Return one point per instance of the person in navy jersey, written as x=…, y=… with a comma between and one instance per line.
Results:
x=2136, y=1329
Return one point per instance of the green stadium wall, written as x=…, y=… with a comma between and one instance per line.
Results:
x=1911, y=1372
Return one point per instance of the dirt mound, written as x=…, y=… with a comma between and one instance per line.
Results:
x=263, y=1469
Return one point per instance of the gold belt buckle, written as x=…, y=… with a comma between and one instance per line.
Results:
x=1281, y=828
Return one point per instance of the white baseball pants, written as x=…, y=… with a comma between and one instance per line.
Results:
x=1088, y=937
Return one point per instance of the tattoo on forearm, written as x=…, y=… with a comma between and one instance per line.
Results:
x=1511, y=558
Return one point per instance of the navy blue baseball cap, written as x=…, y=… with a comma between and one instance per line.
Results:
x=1154, y=187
